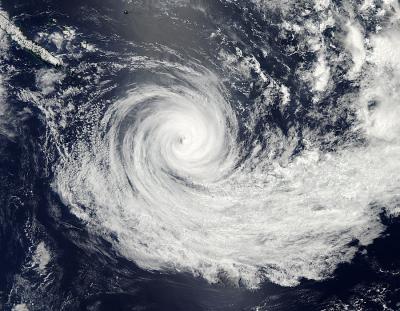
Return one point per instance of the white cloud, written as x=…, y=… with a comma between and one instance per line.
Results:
x=20, y=307
x=46, y=79
x=41, y=257
x=321, y=74
x=354, y=43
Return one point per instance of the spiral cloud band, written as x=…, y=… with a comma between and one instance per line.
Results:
x=165, y=179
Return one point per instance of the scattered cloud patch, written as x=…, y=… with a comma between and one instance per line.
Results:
x=46, y=80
